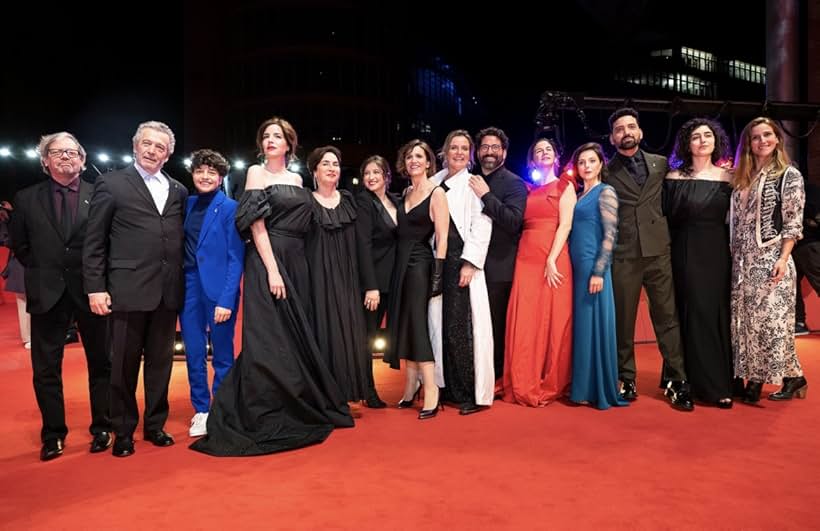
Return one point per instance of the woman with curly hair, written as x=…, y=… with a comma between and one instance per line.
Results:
x=696, y=200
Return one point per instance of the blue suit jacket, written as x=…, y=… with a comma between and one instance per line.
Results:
x=220, y=252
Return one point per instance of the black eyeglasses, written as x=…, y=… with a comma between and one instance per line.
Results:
x=57, y=153
x=495, y=148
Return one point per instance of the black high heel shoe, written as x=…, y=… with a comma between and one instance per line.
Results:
x=752, y=393
x=792, y=387
x=404, y=404
x=430, y=413
x=725, y=403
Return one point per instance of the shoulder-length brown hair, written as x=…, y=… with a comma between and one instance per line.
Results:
x=589, y=146
x=287, y=129
x=401, y=168
x=745, y=160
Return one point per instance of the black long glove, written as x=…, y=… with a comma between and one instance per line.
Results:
x=437, y=277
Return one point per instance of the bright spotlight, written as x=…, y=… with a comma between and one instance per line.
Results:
x=128, y=159
x=355, y=181
x=239, y=164
x=178, y=346
x=5, y=152
x=103, y=157
x=295, y=166
x=187, y=162
x=535, y=176
x=32, y=153
x=379, y=344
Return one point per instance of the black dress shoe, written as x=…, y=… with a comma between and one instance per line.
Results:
x=123, y=446
x=71, y=337
x=52, y=449
x=102, y=441
x=373, y=401
x=159, y=438
x=791, y=387
x=629, y=391
x=470, y=408
x=678, y=395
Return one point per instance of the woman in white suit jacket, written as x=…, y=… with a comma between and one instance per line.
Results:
x=462, y=346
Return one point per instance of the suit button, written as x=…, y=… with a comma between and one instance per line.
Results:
x=67, y=249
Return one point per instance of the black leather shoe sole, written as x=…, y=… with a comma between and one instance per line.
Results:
x=159, y=438
x=51, y=450
x=102, y=442
x=123, y=447
x=469, y=410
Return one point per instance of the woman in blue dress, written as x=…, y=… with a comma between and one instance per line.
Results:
x=594, y=231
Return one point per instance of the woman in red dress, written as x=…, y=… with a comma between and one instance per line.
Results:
x=538, y=351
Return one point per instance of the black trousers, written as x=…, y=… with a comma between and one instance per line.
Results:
x=499, y=295
x=807, y=264
x=136, y=336
x=48, y=331
x=374, y=321
x=655, y=275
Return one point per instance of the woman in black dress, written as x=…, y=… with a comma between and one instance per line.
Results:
x=280, y=394
x=376, y=237
x=417, y=275
x=696, y=202
x=334, y=276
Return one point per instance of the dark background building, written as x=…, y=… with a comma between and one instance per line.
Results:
x=353, y=75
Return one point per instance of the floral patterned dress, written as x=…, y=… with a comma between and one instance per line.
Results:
x=763, y=310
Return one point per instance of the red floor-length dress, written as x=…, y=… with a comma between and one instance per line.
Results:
x=538, y=352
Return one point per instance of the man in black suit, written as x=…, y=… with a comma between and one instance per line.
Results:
x=504, y=196
x=132, y=262
x=642, y=258
x=47, y=231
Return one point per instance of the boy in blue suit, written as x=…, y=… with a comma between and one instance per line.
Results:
x=214, y=259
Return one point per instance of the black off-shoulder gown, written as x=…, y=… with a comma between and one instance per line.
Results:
x=280, y=394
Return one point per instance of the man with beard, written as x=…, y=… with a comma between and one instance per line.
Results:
x=504, y=196
x=642, y=258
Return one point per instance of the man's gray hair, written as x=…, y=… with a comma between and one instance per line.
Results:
x=45, y=144
x=156, y=126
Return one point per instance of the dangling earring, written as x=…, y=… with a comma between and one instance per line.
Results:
x=315, y=184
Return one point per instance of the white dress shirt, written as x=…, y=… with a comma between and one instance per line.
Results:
x=157, y=186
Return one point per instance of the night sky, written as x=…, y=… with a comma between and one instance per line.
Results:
x=99, y=80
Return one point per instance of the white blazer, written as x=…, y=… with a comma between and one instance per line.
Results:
x=475, y=228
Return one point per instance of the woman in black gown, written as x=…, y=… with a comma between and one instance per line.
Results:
x=376, y=238
x=334, y=276
x=696, y=201
x=417, y=275
x=280, y=394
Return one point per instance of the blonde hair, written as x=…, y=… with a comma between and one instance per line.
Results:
x=744, y=158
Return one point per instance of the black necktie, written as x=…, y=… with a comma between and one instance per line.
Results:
x=65, y=212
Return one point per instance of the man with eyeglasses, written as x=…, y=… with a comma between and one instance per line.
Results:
x=48, y=227
x=133, y=269
x=504, y=196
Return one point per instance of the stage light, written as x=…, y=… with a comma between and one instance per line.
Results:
x=187, y=162
x=355, y=181
x=103, y=157
x=535, y=176
x=5, y=152
x=32, y=153
x=239, y=164
x=128, y=159
x=379, y=344
x=294, y=166
x=179, y=346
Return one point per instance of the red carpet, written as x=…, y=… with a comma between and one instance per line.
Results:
x=641, y=467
